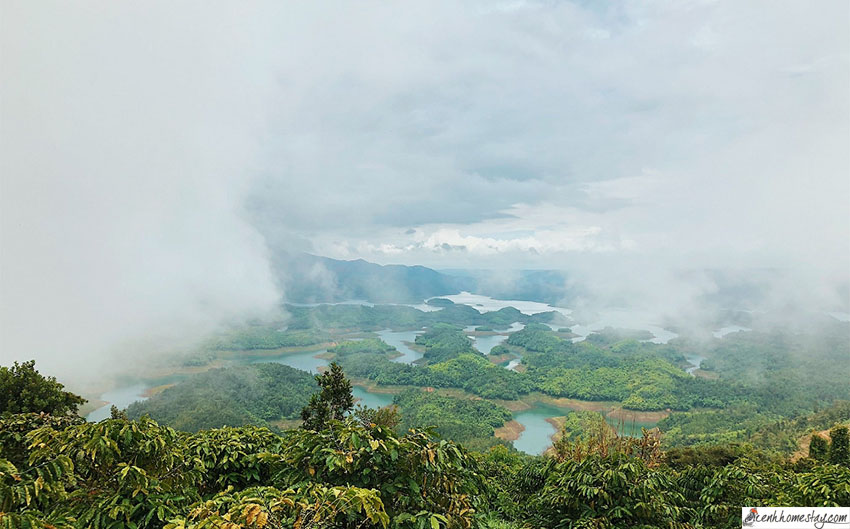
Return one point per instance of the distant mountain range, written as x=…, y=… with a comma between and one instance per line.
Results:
x=307, y=278
x=313, y=279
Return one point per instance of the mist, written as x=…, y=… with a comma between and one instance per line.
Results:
x=128, y=141
x=160, y=160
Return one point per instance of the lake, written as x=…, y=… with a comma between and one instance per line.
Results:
x=305, y=361
x=121, y=397
x=487, y=304
x=485, y=344
x=373, y=400
x=397, y=339
x=695, y=361
x=623, y=319
x=537, y=436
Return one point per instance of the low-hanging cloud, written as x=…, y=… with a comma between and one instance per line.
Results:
x=129, y=133
x=152, y=151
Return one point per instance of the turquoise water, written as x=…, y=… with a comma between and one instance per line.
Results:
x=695, y=360
x=306, y=361
x=485, y=344
x=127, y=394
x=397, y=339
x=121, y=397
x=537, y=436
x=373, y=400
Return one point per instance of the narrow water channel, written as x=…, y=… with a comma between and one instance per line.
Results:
x=397, y=339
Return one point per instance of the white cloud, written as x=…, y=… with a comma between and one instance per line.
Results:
x=150, y=152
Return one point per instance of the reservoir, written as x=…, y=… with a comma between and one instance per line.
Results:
x=372, y=400
x=485, y=344
x=120, y=397
x=537, y=436
x=305, y=361
x=695, y=360
x=397, y=339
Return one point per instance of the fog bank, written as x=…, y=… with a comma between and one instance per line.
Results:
x=128, y=140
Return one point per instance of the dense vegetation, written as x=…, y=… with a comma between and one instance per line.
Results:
x=470, y=372
x=254, y=394
x=310, y=278
x=468, y=421
x=58, y=472
x=750, y=387
x=778, y=384
x=358, y=347
x=266, y=337
x=23, y=388
x=361, y=317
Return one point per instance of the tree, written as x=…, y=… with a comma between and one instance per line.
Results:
x=818, y=448
x=116, y=413
x=839, y=450
x=331, y=403
x=24, y=390
x=387, y=417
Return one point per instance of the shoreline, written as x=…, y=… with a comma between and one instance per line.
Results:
x=510, y=431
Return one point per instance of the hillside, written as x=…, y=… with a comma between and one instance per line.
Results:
x=255, y=394
x=312, y=279
x=351, y=475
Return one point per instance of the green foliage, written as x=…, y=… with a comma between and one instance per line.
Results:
x=581, y=424
x=25, y=494
x=477, y=375
x=538, y=338
x=469, y=371
x=388, y=417
x=643, y=376
x=745, y=423
x=818, y=448
x=366, y=346
x=14, y=429
x=443, y=342
x=419, y=480
x=24, y=390
x=823, y=486
x=333, y=401
x=259, y=507
x=235, y=396
x=469, y=421
x=266, y=337
x=137, y=474
x=775, y=370
x=718, y=455
x=361, y=317
x=839, y=446
x=614, y=491
x=724, y=441
x=130, y=473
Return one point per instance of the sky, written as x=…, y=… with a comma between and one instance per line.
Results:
x=153, y=155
